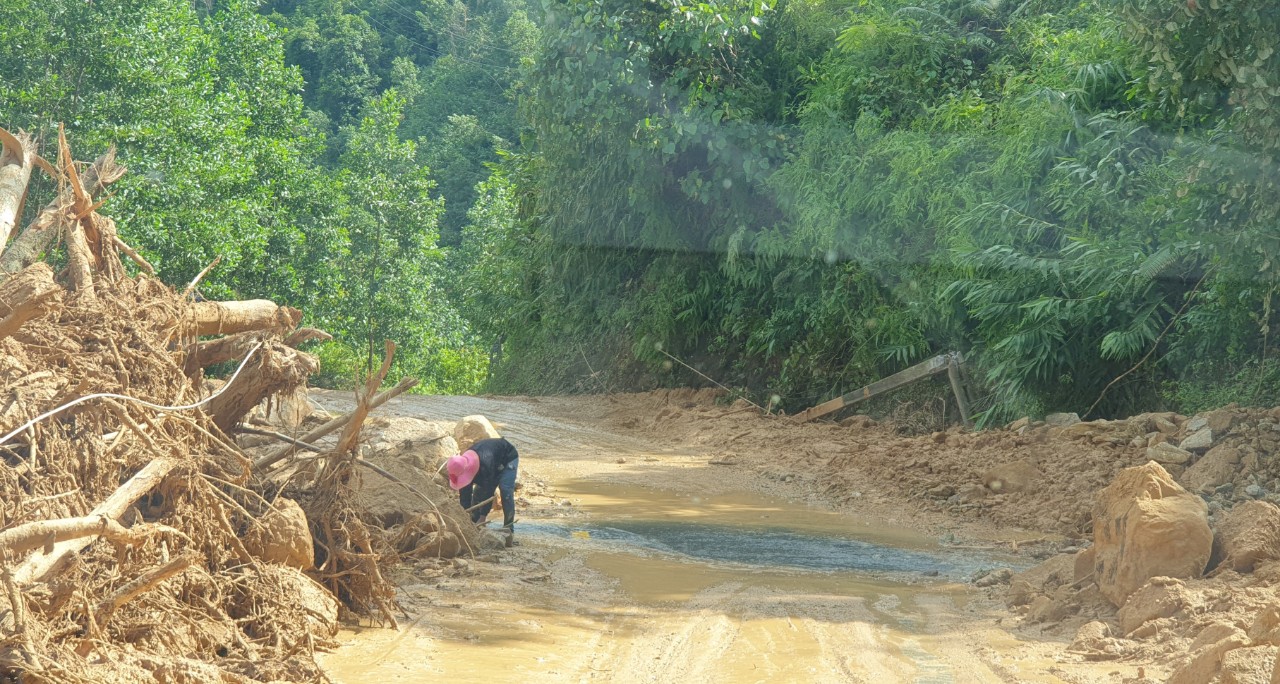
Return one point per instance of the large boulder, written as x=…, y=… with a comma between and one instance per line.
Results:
x=472, y=429
x=1018, y=476
x=1146, y=525
x=282, y=536
x=1248, y=535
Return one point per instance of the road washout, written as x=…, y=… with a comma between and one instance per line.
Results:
x=604, y=588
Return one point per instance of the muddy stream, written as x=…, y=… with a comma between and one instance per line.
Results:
x=637, y=564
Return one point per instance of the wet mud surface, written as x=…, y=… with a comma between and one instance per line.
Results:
x=643, y=564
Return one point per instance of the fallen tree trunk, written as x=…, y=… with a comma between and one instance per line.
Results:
x=26, y=538
x=27, y=295
x=334, y=425
x=226, y=318
x=39, y=567
x=273, y=370
x=17, y=158
x=212, y=352
x=31, y=243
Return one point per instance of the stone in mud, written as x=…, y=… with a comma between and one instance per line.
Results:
x=1249, y=665
x=1215, y=469
x=1018, y=476
x=1168, y=454
x=1061, y=419
x=1161, y=597
x=1248, y=534
x=1146, y=525
x=1164, y=426
x=1205, y=664
x=1044, y=578
x=968, y=493
x=1199, y=441
x=1001, y=576
x=942, y=491
x=282, y=536
x=1018, y=424
x=472, y=429
x=1220, y=421
x=1266, y=626
x=1092, y=636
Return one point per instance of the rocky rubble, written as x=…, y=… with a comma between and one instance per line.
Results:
x=1185, y=549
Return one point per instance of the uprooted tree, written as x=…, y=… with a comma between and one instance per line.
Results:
x=131, y=523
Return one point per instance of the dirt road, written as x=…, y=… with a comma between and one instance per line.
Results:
x=645, y=563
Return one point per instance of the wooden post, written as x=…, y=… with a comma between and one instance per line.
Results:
x=957, y=386
x=930, y=368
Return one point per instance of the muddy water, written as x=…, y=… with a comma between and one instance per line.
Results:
x=666, y=586
x=669, y=571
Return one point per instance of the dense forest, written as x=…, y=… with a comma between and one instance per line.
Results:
x=793, y=198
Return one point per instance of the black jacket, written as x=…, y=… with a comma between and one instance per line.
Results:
x=495, y=456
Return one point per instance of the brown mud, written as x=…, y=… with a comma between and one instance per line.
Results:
x=569, y=606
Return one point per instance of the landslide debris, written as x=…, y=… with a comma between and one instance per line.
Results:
x=139, y=540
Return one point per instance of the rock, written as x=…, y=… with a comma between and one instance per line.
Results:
x=1206, y=663
x=1092, y=636
x=1255, y=491
x=1039, y=608
x=942, y=491
x=472, y=429
x=1197, y=423
x=1018, y=476
x=1164, y=425
x=1213, y=633
x=1215, y=469
x=1145, y=525
x=1266, y=626
x=282, y=536
x=1248, y=534
x=1082, y=564
x=1199, y=441
x=1001, y=576
x=1250, y=665
x=1159, y=598
x=1018, y=424
x=858, y=422
x=1040, y=579
x=1168, y=454
x=1220, y=421
x=1061, y=419
x=969, y=493
x=1157, y=438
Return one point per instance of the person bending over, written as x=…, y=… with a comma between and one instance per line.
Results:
x=489, y=465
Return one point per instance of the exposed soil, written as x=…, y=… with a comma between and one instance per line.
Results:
x=567, y=605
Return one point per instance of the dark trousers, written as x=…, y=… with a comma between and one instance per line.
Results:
x=507, y=487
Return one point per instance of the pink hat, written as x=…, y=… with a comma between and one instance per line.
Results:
x=463, y=468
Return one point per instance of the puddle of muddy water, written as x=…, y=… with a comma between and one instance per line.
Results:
x=756, y=548
x=652, y=584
